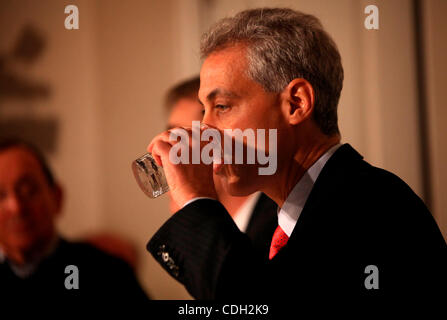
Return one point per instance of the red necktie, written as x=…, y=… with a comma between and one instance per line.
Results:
x=279, y=240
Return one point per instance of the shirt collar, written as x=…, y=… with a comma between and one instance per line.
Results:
x=293, y=206
x=243, y=214
x=24, y=271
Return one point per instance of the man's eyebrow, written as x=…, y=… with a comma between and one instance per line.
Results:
x=27, y=178
x=219, y=91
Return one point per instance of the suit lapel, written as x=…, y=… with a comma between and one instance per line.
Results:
x=262, y=224
x=327, y=182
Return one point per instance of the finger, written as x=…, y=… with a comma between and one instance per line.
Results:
x=164, y=136
x=217, y=168
x=160, y=151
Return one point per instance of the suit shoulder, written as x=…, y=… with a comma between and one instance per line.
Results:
x=389, y=203
x=86, y=253
x=376, y=181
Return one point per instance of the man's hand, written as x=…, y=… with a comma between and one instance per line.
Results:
x=186, y=181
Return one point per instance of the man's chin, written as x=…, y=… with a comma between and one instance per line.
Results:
x=236, y=187
x=238, y=180
x=18, y=249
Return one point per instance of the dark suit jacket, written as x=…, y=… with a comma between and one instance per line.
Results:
x=357, y=215
x=102, y=279
x=262, y=225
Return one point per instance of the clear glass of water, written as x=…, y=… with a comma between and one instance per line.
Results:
x=150, y=177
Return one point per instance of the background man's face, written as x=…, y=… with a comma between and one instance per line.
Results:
x=184, y=112
x=28, y=205
x=234, y=101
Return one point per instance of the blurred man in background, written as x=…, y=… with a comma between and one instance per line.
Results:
x=254, y=214
x=33, y=256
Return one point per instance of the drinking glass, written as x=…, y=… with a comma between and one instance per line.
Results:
x=150, y=177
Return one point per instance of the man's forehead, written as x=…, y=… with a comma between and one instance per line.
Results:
x=183, y=112
x=18, y=157
x=221, y=71
x=229, y=60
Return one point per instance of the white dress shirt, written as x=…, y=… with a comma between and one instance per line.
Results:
x=291, y=209
x=243, y=214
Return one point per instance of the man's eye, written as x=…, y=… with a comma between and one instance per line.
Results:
x=27, y=190
x=3, y=195
x=221, y=107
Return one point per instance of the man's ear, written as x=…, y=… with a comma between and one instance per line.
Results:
x=299, y=100
x=58, y=194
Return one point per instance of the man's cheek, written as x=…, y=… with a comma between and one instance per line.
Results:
x=241, y=177
x=2, y=234
x=4, y=222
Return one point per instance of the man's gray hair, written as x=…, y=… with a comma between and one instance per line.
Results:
x=283, y=44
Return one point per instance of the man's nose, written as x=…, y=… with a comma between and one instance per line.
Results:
x=208, y=120
x=14, y=204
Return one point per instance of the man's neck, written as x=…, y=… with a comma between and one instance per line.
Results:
x=231, y=203
x=33, y=255
x=288, y=176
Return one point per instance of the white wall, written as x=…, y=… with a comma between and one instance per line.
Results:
x=68, y=65
x=138, y=55
x=436, y=48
